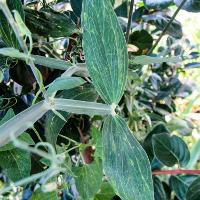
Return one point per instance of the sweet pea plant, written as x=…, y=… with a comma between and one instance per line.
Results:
x=75, y=64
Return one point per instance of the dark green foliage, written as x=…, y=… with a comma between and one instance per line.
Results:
x=6, y=32
x=157, y=4
x=49, y=23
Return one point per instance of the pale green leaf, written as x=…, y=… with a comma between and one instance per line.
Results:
x=146, y=60
x=105, y=49
x=64, y=83
x=13, y=53
x=125, y=162
x=51, y=62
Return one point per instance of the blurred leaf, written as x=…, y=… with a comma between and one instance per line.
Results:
x=180, y=184
x=49, y=23
x=193, y=192
x=146, y=60
x=170, y=150
x=157, y=4
x=125, y=164
x=159, y=192
x=105, y=193
x=53, y=124
x=189, y=5
x=107, y=60
x=16, y=163
x=39, y=194
x=6, y=32
x=160, y=21
x=192, y=65
x=88, y=179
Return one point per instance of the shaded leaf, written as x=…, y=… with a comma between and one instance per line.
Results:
x=125, y=162
x=159, y=192
x=16, y=163
x=76, y=6
x=180, y=184
x=193, y=192
x=107, y=60
x=49, y=23
x=160, y=21
x=170, y=150
x=53, y=124
x=88, y=179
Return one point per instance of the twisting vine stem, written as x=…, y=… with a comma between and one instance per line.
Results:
x=129, y=20
x=11, y=21
x=167, y=26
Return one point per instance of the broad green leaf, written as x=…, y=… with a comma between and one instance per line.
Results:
x=39, y=194
x=180, y=184
x=105, y=193
x=157, y=4
x=159, y=192
x=105, y=49
x=170, y=150
x=82, y=107
x=51, y=62
x=77, y=7
x=146, y=60
x=49, y=23
x=53, y=124
x=64, y=83
x=16, y=163
x=125, y=162
x=6, y=32
x=88, y=179
x=25, y=137
x=193, y=192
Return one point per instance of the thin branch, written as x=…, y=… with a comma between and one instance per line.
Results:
x=167, y=26
x=129, y=20
x=177, y=171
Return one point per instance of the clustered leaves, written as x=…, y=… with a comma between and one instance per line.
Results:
x=95, y=117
